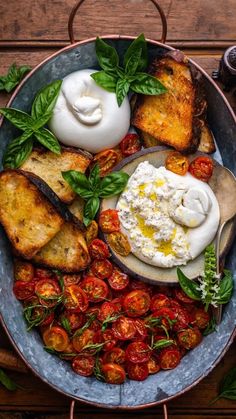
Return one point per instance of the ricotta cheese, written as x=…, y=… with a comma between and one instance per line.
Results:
x=169, y=219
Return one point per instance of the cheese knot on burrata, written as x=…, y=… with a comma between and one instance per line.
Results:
x=169, y=219
x=87, y=116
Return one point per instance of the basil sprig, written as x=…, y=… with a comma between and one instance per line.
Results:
x=7, y=381
x=120, y=80
x=14, y=76
x=227, y=388
x=93, y=187
x=32, y=126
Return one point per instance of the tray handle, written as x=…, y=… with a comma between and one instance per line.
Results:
x=72, y=407
x=80, y=2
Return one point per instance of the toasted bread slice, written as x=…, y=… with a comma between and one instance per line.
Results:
x=49, y=166
x=169, y=117
x=207, y=144
x=77, y=208
x=67, y=251
x=30, y=217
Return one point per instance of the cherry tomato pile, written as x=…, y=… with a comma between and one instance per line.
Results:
x=201, y=167
x=108, y=324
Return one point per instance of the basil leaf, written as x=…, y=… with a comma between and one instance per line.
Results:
x=122, y=88
x=79, y=183
x=113, y=184
x=18, y=151
x=133, y=62
x=138, y=44
x=48, y=140
x=13, y=77
x=45, y=100
x=188, y=286
x=40, y=122
x=19, y=118
x=90, y=210
x=226, y=286
x=2, y=82
x=104, y=80
x=147, y=85
x=7, y=382
x=94, y=178
x=107, y=56
x=211, y=327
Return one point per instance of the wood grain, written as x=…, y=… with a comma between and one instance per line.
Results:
x=32, y=20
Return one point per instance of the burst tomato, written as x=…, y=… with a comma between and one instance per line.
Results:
x=107, y=311
x=169, y=358
x=115, y=355
x=98, y=249
x=81, y=341
x=55, y=337
x=75, y=298
x=189, y=338
x=201, y=318
x=119, y=243
x=109, y=221
x=201, y=168
x=73, y=319
x=101, y=268
x=95, y=289
x=118, y=280
x=182, y=319
x=24, y=290
x=106, y=160
x=153, y=365
x=177, y=163
x=138, y=352
x=41, y=273
x=48, y=292
x=137, y=372
x=130, y=144
x=71, y=279
x=113, y=373
x=83, y=365
x=124, y=328
x=141, y=329
x=158, y=301
x=166, y=316
x=136, y=303
x=91, y=232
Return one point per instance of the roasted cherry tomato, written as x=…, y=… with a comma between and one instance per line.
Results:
x=83, y=365
x=159, y=301
x=95, y=289
x=72, y=320
x=101, y=268
x=48, y=292
x=136, y=303
x=141, y=329
x=109, y=221
x=106, y=160
x=137, y=372
x=24, y=290
x=115, y=355
x=80, y=341
x=119, y=243
x=23, y=271
x=166, y=316
x=91, y=232
x=182, y=297
x=98, y=249
x=41, y=273
x=118, y=280
x=55, y=337
x=177, y=163
x=124, y=328
x=107, y=338
x=68, y=353
x=113, y=373
x=201, y=168
x=153, y=365
x=182, y=318
x=169, y=358
x=71, y=279
x=75, y=298
x=189, y=338
x=107, y=311
x=138, y=352
x=36, y=313
x=201, y=318
x=130, y=144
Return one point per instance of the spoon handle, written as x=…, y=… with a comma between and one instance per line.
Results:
x=218, y=310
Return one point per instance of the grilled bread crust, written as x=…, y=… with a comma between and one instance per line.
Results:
x=48, y=166
x=28, y=216
x=67, y=251
x=170, y=118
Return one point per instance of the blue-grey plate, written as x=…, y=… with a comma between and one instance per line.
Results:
x=57, y=373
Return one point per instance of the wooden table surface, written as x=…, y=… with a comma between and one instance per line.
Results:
x=31, y=30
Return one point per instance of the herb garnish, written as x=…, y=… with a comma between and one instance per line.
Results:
x=14, y=76
x=227, y=388
x=120, y=80
x=92, y=188
x=162, y=343
x=211, y=327
x=209, y=290
x=32, y=126
x=7, y=382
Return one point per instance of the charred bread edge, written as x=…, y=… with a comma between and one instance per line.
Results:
x=43, y=187
x=83, y=153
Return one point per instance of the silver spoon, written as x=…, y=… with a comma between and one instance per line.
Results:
x=226, y=194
